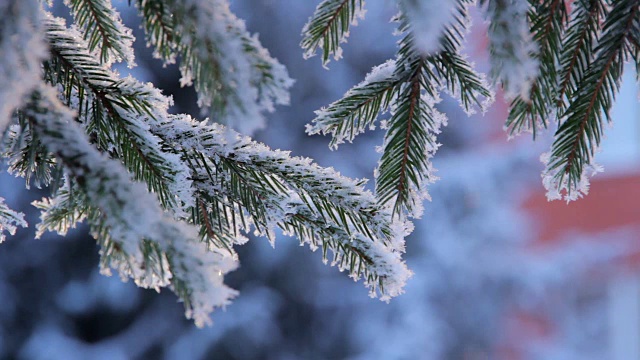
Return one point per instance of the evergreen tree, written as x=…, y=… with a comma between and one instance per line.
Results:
x=168, y=197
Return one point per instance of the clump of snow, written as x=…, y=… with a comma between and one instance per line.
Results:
x=512, y=48
x=381, y=72
x=429, y=21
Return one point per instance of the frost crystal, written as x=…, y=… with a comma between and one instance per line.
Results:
x=9, y=220
x=558, y=184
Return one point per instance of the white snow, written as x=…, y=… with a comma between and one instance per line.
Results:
x=9, y=220
x=428, y=20
x=558, y=185
x=513, y=51
x=22, y=49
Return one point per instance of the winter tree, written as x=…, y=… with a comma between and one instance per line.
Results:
x=168, y=197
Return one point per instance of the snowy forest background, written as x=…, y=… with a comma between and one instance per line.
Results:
x=469, y=252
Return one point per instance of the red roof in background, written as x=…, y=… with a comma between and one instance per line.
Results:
x=611, y=203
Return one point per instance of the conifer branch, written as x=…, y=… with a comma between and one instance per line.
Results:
x=112, y=110
x=139, y=239
x=317, y=205
x=329, y=26
x=103, y=30
x=359, y=108
x=9, y=220
x=28, y=158
x=548, y=20
x=580, y=133
x=511, y=47
x=234, y=76
x=462, y=81
x=577, y=45
x=22, y=49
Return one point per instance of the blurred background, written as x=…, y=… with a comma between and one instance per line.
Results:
x=500, y=273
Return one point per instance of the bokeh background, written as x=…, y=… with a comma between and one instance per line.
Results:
x=499, y=272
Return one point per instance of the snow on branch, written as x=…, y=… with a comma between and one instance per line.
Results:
x=22, y=49
x=359, y=107
x=430, y=21
x=222, y=182
x=511, y=46
x=103, y=30
x=234, y=76
x=571, y=160
x=532, y=109
x=9, y=220
x=328, y=27
x=114, y=111
x=131, y=222
x=318, y=205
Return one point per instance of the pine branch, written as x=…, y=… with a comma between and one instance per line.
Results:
x=462, y=81
x=64, y=210
x=432, y=23
x=158, y=23
x=22, y=50
x=102, y=28
x=410, y=86
x=577, y=46
x=548, y=20
x=512, y=50
x=359, y=107
x=9, y=220
x=139, y=239
x=315, y=204
x=329, y=26
x=405, y=167
x=578, y=137
x=28, y=158
x=234, y=76
x=113, y=112
x=233, y=188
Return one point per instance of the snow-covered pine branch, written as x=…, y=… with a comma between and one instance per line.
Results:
x=103, y=30
x=359, y=108
x=531, y=110
x=167, y=197
x=234, y=76
x=329, y=26
x=9, y=220
x=511, y=46
x=409, y=87
x=570, y=162
x=138, y=238
x=22, y=49
x=112, y=111
x=315, y=204
x=578, y=43
x=554, y=60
